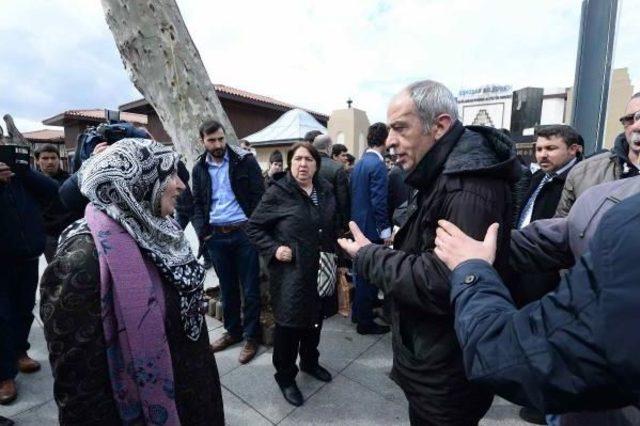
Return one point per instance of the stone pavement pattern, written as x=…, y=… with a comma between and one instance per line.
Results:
x=361, y=392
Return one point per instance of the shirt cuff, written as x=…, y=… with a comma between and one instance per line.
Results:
x=386, y=233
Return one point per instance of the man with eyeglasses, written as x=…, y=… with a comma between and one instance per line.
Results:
x=619, y=163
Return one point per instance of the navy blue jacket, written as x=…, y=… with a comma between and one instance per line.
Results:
x=574, y=349
x=21, y=203
x=369, y=192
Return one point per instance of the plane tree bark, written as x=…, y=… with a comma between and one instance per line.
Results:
x=165, y=66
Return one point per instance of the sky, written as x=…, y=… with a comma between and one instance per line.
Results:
x=60, y=54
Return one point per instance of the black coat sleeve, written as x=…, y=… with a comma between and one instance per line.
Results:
x=543, y=355
x=41, y=187
x=256, y=183
x=541, y=246
x=422, y=280
x=198, y=193
x=261, y=225
x=71, y=196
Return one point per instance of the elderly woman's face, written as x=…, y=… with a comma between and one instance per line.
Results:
x=303, y=165
x=170, y=195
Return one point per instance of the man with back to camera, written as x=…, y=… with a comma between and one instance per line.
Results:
x=334, y=172
x=227, y=187
x=369, y=194
x=459, y=172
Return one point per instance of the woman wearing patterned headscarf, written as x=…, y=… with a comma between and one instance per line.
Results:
x=122, y=302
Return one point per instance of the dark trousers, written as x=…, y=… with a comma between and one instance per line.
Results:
x=288, y=342
x=18, y=283
x=363, y=303
x=236, y=263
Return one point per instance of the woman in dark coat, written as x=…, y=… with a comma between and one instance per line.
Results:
x=122, y=301
x=294, y=222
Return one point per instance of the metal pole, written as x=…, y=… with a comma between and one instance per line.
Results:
x=593, y=70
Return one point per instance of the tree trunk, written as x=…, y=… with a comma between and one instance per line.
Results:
x=165, y=66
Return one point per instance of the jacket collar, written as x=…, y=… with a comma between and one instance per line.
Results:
x=233, y=153
x=433, y=162
x=374, y=152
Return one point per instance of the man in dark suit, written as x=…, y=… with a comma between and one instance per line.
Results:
x=369, y=192
x=557, y=149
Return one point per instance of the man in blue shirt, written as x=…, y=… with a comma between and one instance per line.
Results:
x=227, y=186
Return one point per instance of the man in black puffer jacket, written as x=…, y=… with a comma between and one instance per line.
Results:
x=462, y=173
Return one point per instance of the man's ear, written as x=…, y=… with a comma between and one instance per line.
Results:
x=574, y=149
x=442, y=124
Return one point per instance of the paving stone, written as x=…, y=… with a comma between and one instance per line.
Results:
x=237, y=412
x=212, y=323
x=346, y=402
x=372, y=369
x=340, y=344
x=36, y=388
x=253, y=397
x=42, y=415
x=227, y=360
x=254, y=384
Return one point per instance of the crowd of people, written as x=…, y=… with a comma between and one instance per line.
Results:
x=494, y=276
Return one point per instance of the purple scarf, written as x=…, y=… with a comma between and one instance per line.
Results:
x=133, y=314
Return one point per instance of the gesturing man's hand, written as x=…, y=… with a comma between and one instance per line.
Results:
x=350, y=246
x=284, y=254
x=454, y=246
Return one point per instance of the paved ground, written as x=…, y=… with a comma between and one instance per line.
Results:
x=360, y=394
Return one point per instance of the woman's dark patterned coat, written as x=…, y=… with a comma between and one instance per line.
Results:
x=70, y=310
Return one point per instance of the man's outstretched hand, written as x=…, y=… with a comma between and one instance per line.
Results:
x=454, y=246
x=350, y=246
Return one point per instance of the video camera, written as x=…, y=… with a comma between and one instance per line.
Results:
x=110, y=132
x=16, y=157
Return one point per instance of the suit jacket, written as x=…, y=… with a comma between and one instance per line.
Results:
x=549, y=196
x=369, y=192
x=532, y=287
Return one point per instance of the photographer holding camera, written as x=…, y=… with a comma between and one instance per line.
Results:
x=93, y=141
x=23, y=195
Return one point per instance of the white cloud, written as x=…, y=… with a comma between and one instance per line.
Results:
x=313, y=54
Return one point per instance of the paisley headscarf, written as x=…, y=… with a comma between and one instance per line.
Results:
x=126, y=182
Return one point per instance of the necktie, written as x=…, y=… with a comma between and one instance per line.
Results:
x=528, y=208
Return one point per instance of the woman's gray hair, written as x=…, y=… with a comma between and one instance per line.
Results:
x=432, y=99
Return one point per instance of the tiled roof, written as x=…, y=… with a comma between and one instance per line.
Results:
x=223, y=90
x=44, y=135
x=248, y=95
x=93, y=114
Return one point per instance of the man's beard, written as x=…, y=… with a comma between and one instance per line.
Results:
x=218, y=152
x=635, y=138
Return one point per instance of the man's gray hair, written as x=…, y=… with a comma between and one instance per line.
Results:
x=322, y=143
x=432, y=99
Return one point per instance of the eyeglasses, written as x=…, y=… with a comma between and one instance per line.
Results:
x=630, y=119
